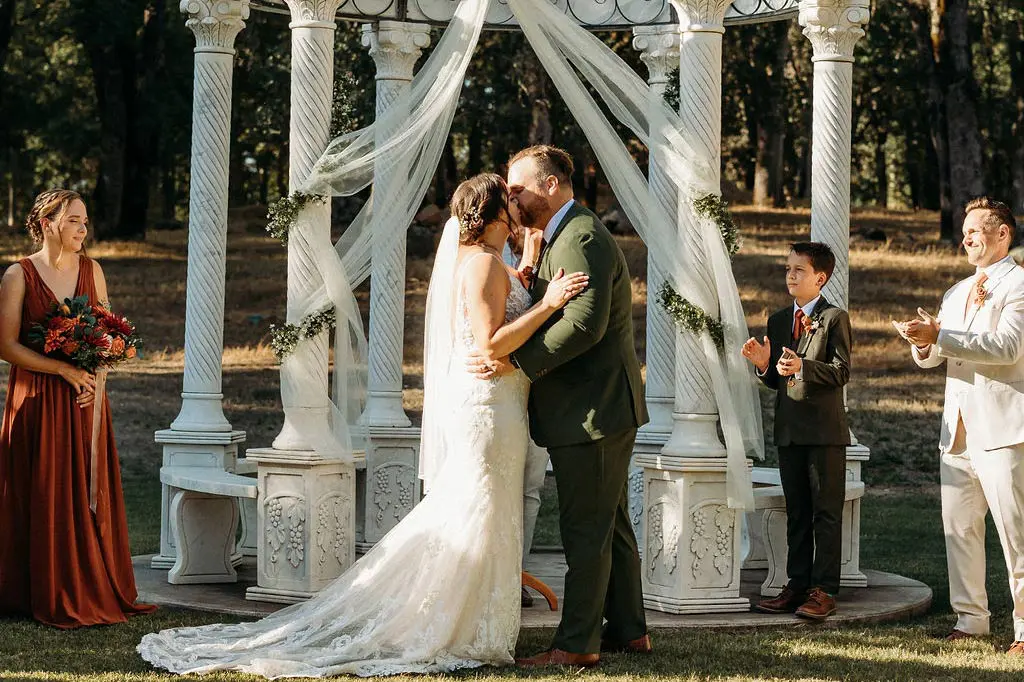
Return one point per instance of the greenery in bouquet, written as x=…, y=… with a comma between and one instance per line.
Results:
x=88, y=336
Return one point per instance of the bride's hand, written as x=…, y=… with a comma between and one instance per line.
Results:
x=563, y=287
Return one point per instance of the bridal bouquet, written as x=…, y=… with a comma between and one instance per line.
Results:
x=88, y=336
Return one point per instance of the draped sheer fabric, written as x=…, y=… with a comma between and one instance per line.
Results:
x=662, y=212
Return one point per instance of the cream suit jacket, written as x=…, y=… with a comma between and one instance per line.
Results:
x=984, y=355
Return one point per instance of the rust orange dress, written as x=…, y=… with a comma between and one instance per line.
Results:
x=60, y=563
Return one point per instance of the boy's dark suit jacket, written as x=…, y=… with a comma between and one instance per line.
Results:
x=811, y=412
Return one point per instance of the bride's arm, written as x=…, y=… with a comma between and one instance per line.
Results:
x=487, y=288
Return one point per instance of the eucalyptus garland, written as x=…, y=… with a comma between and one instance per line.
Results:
x=689, y=316
x=281, y=214
x=284, y=338
x=714, y=207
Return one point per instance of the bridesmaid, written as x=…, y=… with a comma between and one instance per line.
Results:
x=60, y=562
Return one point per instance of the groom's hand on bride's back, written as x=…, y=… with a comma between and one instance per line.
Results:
x=483, y=366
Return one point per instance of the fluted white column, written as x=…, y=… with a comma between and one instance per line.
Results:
x=690, y=537
x=395, y=47
x=694, y=432
x=312, y=86
x=200, y=436
x=659, y=51
x=215, y=25
x=833, y=27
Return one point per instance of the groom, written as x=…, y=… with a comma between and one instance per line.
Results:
x=586, y=403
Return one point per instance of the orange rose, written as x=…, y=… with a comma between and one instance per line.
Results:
x=117, y=347
x=129, y=352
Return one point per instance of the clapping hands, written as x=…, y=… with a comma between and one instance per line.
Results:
x=758, y=354
x=920, y=332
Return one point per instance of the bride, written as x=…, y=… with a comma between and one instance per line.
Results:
x=440, y=592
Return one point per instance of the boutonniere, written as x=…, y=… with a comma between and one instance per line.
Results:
x=811, y=323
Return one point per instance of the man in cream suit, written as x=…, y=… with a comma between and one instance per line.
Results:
x=979, y=334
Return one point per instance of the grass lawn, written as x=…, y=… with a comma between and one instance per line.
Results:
x=894, y=409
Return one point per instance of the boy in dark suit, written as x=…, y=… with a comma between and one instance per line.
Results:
x=805, y=358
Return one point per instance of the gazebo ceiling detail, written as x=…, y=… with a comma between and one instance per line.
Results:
x=593, y=14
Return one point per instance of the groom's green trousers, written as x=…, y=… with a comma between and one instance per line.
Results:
x=603, y=580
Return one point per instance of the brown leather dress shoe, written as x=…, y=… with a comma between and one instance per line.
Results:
x=787, y=602
x=641, y=645
x=957, y=635
x=819, y=605
x=525, y=598
x=1017, y=648
x=559, y=657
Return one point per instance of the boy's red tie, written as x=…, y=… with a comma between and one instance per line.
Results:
x=798, y=326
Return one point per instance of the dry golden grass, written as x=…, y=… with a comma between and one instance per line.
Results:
x=894, y=406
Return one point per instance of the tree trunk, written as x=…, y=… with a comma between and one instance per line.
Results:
x=169, y=192
x=475, y=150
x=966, y=163
x=533, y=83
x=1016, y=53
x=881, y=174
x=109, y=80
x=12, y=161
x=142, y=153
x=929, y=40
x=6, y=31
x=771, y=128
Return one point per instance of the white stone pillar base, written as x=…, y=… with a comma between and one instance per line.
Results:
x=392, y=486
x=856, y=455
x=305, y=523
x=695, y=435
x=691, y=543
x=217, y=450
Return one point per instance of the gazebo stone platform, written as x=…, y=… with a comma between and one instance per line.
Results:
x=890, y=597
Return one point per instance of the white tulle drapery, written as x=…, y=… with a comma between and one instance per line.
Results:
x=421, y=120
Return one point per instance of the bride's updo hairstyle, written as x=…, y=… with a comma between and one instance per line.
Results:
x=51, y=205
x=477, y=203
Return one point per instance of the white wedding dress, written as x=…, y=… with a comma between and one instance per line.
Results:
x=439, y=593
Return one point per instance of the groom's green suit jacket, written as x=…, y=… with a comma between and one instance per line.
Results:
x=585, y=376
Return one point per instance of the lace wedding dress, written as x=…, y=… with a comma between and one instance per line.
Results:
x=440, y=592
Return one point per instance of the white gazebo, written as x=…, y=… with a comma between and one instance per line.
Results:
x=300, y=516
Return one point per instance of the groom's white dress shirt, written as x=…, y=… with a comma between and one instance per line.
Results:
x=549, y=229
x=982, y=437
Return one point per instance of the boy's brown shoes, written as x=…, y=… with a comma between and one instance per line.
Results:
x=787, y=602
x=958, y=635
x=819, y=605
x=636, y=646
x=1017, y=648
x=559, y=657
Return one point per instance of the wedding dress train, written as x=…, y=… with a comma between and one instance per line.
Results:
x=440, y=592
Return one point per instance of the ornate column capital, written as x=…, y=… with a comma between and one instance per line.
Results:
x=834, y=27
x=659, y=51
x=395, y=46
x=215, y=23
x=701, y=16
x=313, y=13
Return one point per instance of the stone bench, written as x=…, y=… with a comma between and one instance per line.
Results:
x=204, y=515
x=767, y=530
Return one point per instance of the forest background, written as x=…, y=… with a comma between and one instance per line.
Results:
x=97, y=95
